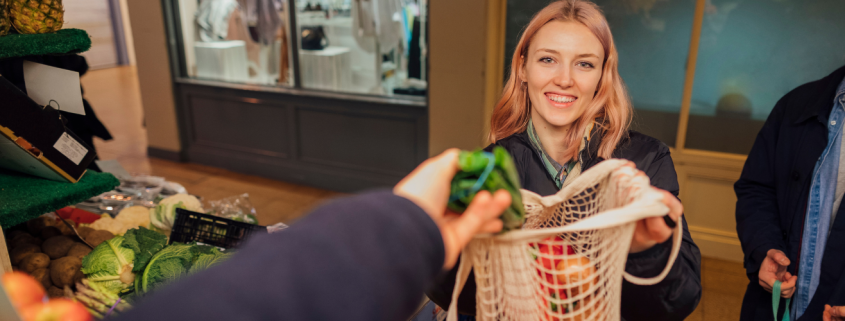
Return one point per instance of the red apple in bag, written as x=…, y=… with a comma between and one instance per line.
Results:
x=549, y=256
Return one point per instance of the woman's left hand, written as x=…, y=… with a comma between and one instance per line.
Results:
x=653, y=230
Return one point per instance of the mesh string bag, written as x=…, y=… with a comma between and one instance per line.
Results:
x=568, y=260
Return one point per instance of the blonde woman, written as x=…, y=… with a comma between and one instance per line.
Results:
x=565, y=109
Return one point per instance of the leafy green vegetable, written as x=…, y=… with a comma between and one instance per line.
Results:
x=503, y=175
x=145, y=243
x=163, y=216
x=174, y=261
x=113, y=268
x=168, y=264
x=206, y=257
x=108, y=267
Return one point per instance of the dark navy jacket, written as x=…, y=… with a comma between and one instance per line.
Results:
x=772, y=196
x=672, y=299
x=367, y=257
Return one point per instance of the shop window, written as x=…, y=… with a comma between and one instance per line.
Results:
x=652, y=38
x=752, y=53
x=237, y=41
x=362, y=46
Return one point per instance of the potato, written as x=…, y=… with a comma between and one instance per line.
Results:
x=49, y=232
x=57, y=246
x=63, y=271
x=21, y=239
x=54, y=292
x=39, y=223
x=43, y=276
x=34, y=262
x=79, y=250
x=65, y=229
x=84, y=231
x=78, y=277
x=98, y=236
x=13, y=234
x=22, y=251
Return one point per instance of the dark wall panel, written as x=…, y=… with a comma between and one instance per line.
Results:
x=346, y=145
x=379, y=144
x=241, y=125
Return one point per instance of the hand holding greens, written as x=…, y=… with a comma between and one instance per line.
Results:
x=477, y=174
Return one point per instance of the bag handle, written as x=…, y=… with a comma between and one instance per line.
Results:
x=464, y=268
x=676, y=247
x=776, y=302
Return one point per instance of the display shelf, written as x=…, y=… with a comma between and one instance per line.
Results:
x=23, y=197
x=62, y=42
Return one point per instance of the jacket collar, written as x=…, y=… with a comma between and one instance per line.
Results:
x=592, y=148
x=825, y=92
x=590, y=155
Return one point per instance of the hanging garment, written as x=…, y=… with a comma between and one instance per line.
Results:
x=363, y=25
x=388, y=20
x=284, y=61
x=264, y=16
x=213, y=17
x=238, y=30
x=382, y=19
x=414, y=53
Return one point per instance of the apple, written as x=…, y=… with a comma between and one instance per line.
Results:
x=574, y=270
x=23, y=289
x=60, y=309
x=550, y=252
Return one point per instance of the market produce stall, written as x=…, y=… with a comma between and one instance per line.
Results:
x=92, y=242
x=137, y=234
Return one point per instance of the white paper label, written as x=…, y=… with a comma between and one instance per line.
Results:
x=72, y=149
x=45, y=83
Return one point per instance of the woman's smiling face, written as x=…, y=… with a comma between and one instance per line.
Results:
x=563, y=68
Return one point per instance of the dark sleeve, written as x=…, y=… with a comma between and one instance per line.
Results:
x=678, y=294
x=757, y=216
x=366, y=257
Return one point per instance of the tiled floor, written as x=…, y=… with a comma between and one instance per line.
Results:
x=114, y=95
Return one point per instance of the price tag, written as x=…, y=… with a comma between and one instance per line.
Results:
x=45, y=83
x=72, y=149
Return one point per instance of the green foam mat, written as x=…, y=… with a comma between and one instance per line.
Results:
x=24, y=197
x=62, y=42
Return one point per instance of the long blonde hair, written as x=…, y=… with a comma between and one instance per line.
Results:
x=611, y=102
